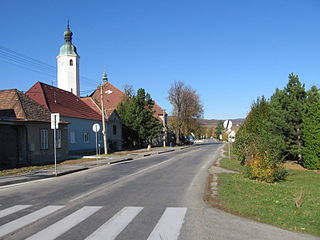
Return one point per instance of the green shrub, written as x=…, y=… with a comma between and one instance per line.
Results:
x=261, y=169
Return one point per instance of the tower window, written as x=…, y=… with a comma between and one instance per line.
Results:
x=71, y=62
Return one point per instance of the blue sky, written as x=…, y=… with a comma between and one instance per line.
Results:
x=229, y=51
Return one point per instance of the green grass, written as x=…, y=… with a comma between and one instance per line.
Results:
x=231, y=164
x=274, y=203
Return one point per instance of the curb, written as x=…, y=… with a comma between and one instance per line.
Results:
x=121, y=160
x=71, y=171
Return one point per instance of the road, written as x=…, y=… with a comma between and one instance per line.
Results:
x=157, y=197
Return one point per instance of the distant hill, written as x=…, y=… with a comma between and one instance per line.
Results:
x=214, y=122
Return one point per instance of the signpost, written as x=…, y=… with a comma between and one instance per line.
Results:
x=227, y=125
x=55, y=119
x=96, y=129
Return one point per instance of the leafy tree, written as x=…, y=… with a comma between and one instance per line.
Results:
x=257, y=146
x=287, y=112
x=219, y=129
x=311, y=130
x=186, y=109
x=136, y=112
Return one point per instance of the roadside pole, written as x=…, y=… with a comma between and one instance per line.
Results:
x=104, y=130
x=55, y=118
x=227, y=124
x=96, y=128
x=229, y=151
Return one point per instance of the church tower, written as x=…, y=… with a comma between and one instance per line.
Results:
x=68, y=65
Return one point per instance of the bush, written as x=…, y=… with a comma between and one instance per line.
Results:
x=259, y=168
x=258, y=147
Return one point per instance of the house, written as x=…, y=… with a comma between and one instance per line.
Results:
x=25, y=132
x=112, y=97
x=81, y=114
x=113, y=126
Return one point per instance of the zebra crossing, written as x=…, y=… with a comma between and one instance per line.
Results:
x=168, y=226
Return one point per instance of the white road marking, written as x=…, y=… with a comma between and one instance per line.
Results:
x=10, y=210
x=65, y=224
x=114, y=226
x=169, y=224
x=120, y=180
x=26, y=220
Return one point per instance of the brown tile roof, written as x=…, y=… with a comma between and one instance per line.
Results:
x=113, y=96
x=16, y=105
x=60, y=101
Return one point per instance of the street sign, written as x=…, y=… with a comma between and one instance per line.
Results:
x=55, y=119
x=227, y=124
x=96, y=127
x=232, y=136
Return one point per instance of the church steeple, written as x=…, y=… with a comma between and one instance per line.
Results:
x=68, y=65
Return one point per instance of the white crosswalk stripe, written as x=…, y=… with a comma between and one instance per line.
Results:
x=62, y=226
x=113, y=227
x=10, y=210
x=169, y=224
x=26, y=220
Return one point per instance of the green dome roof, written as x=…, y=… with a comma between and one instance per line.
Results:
x=68, y=49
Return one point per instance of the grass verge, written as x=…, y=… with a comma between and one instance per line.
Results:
x=274, y=204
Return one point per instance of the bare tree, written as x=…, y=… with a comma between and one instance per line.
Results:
x=186, y=109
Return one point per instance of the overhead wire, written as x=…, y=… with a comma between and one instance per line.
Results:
x=23, y=61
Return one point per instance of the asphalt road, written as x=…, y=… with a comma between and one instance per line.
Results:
x=158, y=197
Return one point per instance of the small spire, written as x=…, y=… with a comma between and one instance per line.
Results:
x=68, y=26
x=104, y=77
x=68, y=33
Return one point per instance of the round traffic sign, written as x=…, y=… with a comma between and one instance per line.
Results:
x=227, y=124
x=96, y=127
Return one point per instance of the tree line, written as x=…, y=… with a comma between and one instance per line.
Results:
x=141, y=127
x=285, y=127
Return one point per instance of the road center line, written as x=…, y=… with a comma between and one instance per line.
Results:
x=103, y=187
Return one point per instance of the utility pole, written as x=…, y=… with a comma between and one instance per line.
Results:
x=164, y=128
x=104, y=132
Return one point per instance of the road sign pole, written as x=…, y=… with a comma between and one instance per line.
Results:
x=229, y=152
x=55, y=151
x=55, y=119
x=97, y=144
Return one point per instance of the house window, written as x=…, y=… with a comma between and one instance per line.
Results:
x=72, y=137
x=85, y=137
x=71, y=62
x=58, y=139
x=43, y=138
x=114, y=129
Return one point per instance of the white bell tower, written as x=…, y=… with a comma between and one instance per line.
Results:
x=68, y=65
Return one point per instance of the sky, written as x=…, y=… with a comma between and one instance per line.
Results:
x=229, y=51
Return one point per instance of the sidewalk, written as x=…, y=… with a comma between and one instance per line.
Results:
x=76, y=167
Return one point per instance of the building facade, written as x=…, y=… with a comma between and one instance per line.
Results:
x=26, y=134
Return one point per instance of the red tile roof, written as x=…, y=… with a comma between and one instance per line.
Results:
x=113, y=96
x=60, y=101
x=17, y=106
